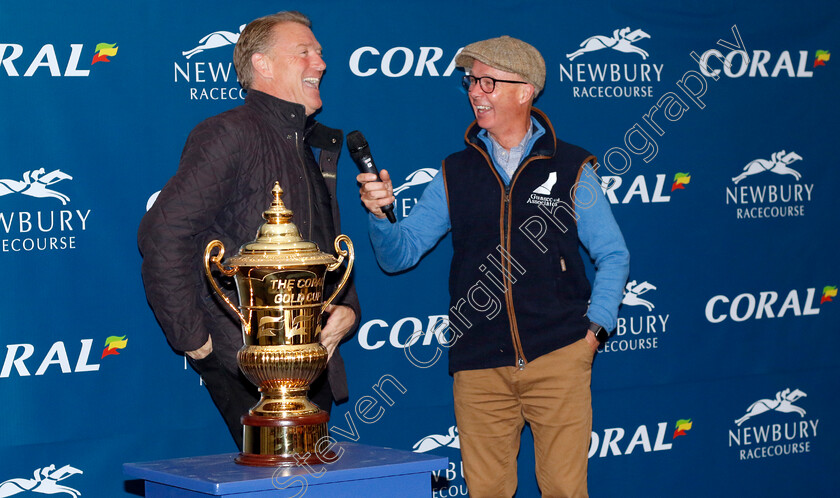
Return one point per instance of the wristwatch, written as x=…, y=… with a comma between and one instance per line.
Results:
x=600, y=332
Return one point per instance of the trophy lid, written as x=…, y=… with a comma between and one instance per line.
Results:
x=278, y=241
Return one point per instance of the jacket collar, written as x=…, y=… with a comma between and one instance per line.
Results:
x=287, y=114
x=546, y=145
x=284, y=113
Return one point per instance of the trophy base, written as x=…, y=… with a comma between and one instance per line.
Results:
x=274, y=441
x=252, y=460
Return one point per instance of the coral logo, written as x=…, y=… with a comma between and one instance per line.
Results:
x=829, y=291
x=821, y=57
x=35, y=183
x=680, y=181
x=683, y=426
x=428, y=61
x=435, y=441
x=45, y=482
x=112, y=344
x=50, y=59
x=103, y=51
x=22, y=358
x=640, y=188
x=641, y=440
x=758, y=64
x=747, y=306
x=622, y=40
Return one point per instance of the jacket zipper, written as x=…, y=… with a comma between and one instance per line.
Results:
x=520, y=357
x=305, y=179
x=520, y=360
x=517, y=343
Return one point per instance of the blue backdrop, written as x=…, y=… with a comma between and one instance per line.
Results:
x=713, y=122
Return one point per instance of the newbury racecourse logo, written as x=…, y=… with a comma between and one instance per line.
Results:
x=450, y=482
x=784, y=199
x=45, y=482
x=636, y=332
x=778, y=163
x=214, y=79
x=35, y=183
x=632, y=291
x=421, y=176
x=621, y=40
x=784, y=403
x=781, y=436
x=215, y=39
x=612, y=80
x=416, y=178
x=30, y=231
x=435, y=441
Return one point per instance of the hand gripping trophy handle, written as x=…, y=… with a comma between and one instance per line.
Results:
x=350, y=255
x=230, y=271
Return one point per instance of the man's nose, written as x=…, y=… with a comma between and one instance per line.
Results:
x=319, y=63
x=475, y=89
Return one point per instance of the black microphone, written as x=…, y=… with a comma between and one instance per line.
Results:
x=360, y=152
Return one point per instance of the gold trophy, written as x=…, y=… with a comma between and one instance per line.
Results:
x=280, y=281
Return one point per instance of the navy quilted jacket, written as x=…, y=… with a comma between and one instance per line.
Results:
x=222, y=186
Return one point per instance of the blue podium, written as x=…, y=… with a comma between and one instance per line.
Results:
x=360, y=470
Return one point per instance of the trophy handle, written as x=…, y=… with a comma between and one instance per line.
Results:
x=217, y=260
x=350, y=255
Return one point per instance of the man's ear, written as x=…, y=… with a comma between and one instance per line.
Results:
x=527, y=93
x=260, y=64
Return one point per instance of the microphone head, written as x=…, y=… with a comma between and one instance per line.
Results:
x=356, y=142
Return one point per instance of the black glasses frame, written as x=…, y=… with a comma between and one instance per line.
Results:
x=468, y=80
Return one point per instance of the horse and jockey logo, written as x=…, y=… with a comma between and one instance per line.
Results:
x=621, y=40
x=632, y=291
x=435, y=441
x=419, y=177
x=215, y=39
x=45, y=482
x=784, y=403
x=35, y=183
x=779, y=163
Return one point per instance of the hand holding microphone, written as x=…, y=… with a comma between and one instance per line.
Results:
x=377, y=191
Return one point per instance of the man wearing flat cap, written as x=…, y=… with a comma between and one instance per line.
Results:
x=524, y=320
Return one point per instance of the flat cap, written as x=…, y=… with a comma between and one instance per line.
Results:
x=507, y=54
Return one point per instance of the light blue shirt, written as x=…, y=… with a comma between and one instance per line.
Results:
x=401, y=245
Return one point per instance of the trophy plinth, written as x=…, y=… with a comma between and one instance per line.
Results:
x=280, y=283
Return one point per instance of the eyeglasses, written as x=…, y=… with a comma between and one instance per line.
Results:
x=486, y=83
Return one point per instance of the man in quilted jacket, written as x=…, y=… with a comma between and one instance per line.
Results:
x=222, y=186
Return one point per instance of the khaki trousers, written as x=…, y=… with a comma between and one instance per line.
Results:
x=551, y=393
